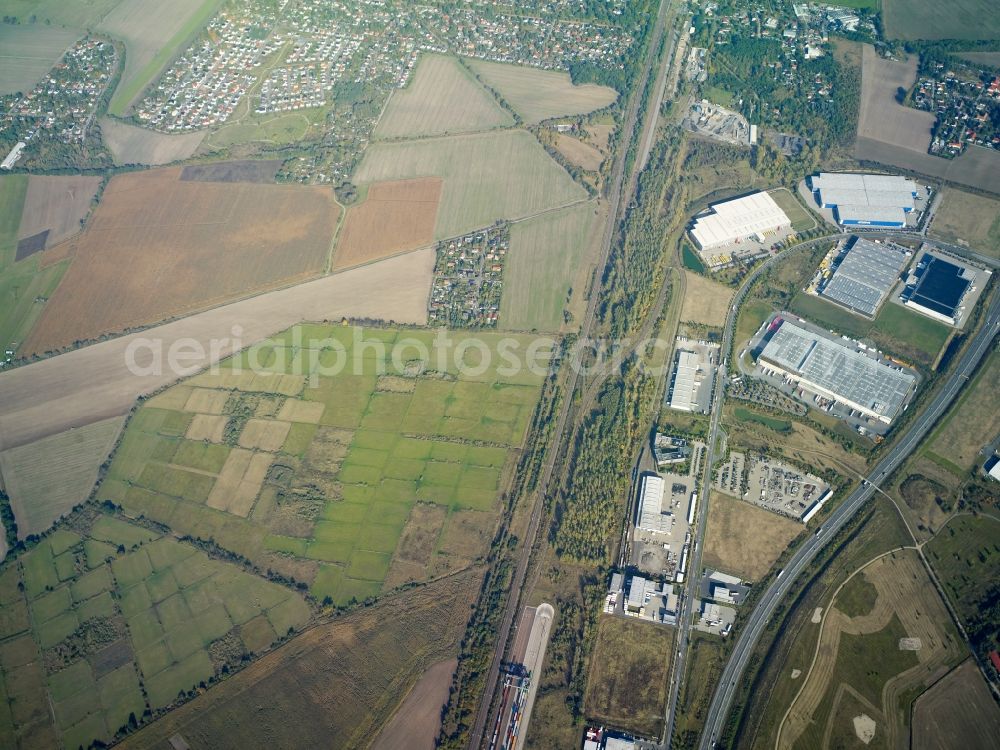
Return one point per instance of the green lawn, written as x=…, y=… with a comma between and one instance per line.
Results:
x=897, y=330
x=801, y=220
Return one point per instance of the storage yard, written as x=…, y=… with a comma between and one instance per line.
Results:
x=773, y=485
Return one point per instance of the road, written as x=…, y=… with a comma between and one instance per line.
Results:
x=760, y=617
x=690, y=593
x=561, y=436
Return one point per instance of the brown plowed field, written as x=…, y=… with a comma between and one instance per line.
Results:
x=958, y=711
x=579, y=153
x=396, y=216
x=158, y=247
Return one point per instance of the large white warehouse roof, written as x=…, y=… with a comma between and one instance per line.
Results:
x=741, y=218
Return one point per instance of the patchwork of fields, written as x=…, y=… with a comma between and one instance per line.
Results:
x=106, y=620
x=352, y=483
x=538, y=95
x=443, y=97
x=169, y=247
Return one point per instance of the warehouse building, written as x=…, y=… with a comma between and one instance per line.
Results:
x=651, y=515
x=868, y=200
x=865, y=274
x=936, y=287
x=837, y=370
x=752, y=217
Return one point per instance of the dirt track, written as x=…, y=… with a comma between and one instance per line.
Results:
x=94, y=382
x=903, y=590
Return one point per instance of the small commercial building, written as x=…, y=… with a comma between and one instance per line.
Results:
x=668, y=449
x=651, y=515
x=836, y=369
x=867, y=200
x=12, y=157
x=752, y=217
x=936, y=288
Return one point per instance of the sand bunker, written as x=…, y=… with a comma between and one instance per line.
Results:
x=864, y=728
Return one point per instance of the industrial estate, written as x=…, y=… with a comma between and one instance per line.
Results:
x=597, y=374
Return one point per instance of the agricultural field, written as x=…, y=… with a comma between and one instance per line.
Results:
x=352, y=483
x=968, y=219
x=891, y=134
x=867, y=662
x=882, y=117
x=154, y=33
x=958, y=711
x=907, y=334
x=974, y=423
x=131, y=145
x=335, y=683
x=200, y=243
x=417, y=721
x=109, y=622
x=801, y=220
x=491, y=176
x=538, y=95
x=55, y=206
x=578, y=152
x=29, y=52
x=47, y=478
x=79, y=15
x=24, y=285
x=92, y=383
x=394, y=217
x=744, y=539
x=550, y=257
x=628, y=669
x=442, y=97
x=706, y=302
x=958, y=19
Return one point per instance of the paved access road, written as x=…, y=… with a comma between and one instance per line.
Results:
x=725, y=691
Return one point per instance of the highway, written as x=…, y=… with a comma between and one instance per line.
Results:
x=563, y=434
x=760, y=617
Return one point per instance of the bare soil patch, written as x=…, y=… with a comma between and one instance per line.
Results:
x=744, y=539
x=417, y=721
x=396, y=216
x=57, y=205
x=168, y=247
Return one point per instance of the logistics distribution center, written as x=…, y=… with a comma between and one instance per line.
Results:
x=867, y=200
x=864, y=275
x=936, y=287
x=836, y=369
x=752, y=217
